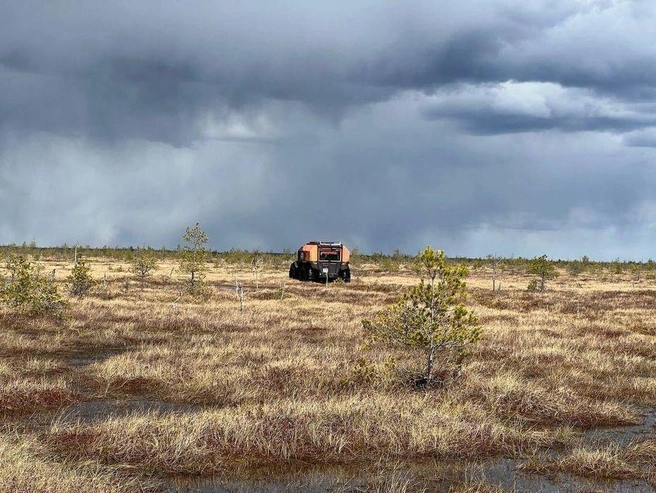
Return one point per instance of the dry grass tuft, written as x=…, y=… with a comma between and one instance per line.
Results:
x=637, y=461
x=27, y=396
x=26, y=468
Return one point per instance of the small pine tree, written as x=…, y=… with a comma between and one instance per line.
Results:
x=27, y=290
x=192, y=256
x=431, y=317
x=80, y=281
x=543, y=268
x=143, y=263
x=533, y=286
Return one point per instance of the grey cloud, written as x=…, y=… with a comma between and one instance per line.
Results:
x=490, y=123
x=600, y=48
x=150, y=69
x=513, y=107
x=386, y=125
x=397, y=183
x=641, y=138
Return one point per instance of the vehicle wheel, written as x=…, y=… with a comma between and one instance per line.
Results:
x=292, y=272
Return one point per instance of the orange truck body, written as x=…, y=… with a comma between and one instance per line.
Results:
x=321, y=261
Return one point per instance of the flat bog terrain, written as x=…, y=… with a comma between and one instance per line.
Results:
x=140, y=386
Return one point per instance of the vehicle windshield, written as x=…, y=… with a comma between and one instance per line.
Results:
x=330, y=254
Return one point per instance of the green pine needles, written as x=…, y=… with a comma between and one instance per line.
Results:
x=544, y=270
x=431, y=320
x=27, y=290
x=80, y=281
x=192, y=257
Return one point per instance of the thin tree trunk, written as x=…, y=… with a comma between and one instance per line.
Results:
x=429, y=364
x=431, y=351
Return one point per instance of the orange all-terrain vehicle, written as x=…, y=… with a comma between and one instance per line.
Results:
x=321, y=261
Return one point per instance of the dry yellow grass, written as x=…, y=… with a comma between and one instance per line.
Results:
x=635, y=461
x=26, y=468
x=219, y=387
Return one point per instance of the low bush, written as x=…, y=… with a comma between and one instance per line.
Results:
x=27, y=290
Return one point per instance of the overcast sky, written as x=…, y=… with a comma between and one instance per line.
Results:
x=479, y=126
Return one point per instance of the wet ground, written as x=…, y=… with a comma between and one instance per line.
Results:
x=430, y=476
x=426, y=476
x=623, y=435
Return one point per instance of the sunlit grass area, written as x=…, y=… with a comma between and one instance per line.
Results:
x=140, y=381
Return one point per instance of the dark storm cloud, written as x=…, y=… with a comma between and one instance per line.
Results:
x=491, y=123
x=512, y=106
x=149, y=69
x=473, y=124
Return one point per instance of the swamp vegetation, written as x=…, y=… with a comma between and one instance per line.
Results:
x=143, y=386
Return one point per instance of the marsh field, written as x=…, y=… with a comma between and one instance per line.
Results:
x=140, y=386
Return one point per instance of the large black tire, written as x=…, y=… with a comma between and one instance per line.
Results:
x=292, y=271
x=345, y=275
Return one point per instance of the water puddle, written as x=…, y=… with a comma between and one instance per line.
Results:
x=623, y=435
x=433, y=476
x=100, y=410
x=426, y=475
x=430, y=476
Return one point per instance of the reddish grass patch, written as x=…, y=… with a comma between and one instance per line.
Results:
x=133, y=385
x=22, y=401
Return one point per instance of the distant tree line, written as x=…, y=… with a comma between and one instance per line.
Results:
x=394, y=261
